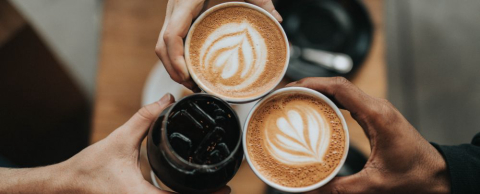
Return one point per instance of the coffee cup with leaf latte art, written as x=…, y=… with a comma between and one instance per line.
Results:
x=295, y=139
x=236, y=51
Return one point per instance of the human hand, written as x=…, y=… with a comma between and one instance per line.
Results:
x=112, y=164
x=178, y=18
x=401, y=160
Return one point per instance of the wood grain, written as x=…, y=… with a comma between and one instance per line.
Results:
x=130, y=30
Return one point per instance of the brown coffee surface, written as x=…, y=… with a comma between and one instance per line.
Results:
x=283, y=146
x=237, y=52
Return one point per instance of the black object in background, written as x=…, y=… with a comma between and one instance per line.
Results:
x=44, y=114
x=340, y=26
x=195, y=144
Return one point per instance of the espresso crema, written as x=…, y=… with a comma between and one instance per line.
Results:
x=237, y=52
x=295, y=139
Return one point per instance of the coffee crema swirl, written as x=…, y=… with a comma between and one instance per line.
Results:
x=237, y=52
x=295, y=139
x=300, y=135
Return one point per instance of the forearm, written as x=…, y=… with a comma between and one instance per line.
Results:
x=48, y=179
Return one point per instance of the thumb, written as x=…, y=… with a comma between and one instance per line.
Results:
x=136, y=127
x=357, y=183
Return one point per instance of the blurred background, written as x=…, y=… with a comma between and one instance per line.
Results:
x=54, y=56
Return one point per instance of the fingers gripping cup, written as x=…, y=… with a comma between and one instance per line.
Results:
x=236, y=51
x=195, y=144
x=295, y=139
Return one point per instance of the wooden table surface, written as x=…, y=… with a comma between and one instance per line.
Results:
x=130, y=31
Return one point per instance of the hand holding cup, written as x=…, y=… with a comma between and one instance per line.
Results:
x=178, y=18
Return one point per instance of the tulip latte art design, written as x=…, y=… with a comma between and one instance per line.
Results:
x=295, y=139
x=302, y=136
x=237, y=52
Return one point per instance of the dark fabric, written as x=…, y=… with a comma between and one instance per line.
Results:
x=463, y=162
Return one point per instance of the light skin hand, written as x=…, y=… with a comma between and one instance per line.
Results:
x=108, y=166
x=401, y=161
x=178, y=18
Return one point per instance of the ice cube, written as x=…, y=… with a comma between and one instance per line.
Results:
x=208, y=144
x=173, y=115
x=223, y=148
x=202, y=113
x=215, y=157
x=219, y=113
x=180, y=144
x=191, y=118
x=219, y=154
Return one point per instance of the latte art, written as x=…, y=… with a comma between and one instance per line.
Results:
x=301, y=137
x=235, y=52
x=295, y=139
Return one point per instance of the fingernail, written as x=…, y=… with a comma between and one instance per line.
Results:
x=277, y=16
x=165, y=99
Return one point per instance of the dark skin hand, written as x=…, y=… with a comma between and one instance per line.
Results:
x=401, y=161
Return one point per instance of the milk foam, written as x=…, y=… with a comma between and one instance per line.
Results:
x=301, y=136
x=295, y=139
x=235, y=50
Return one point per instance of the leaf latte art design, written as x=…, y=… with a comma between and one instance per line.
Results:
x=300, y=136
x=235, y=54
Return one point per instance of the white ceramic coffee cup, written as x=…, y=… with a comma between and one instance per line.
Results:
x=201, y=85
x=323, y=181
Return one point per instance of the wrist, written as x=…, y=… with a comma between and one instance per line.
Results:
x=57, y=179
x=47, y=179
x=440, y=174
x=433, y=172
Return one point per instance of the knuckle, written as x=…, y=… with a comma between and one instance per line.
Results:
x=385, y=107
x=167, y=36
x=302, y=81
x=384, y=101
x=306, y=81
x=382, y=113
x=263, y=2
x=159, y=49
x=341, y=82
x=146, y=113
x=337, y=190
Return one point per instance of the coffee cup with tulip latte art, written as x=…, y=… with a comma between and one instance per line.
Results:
x=236, y=51
x=295, y=139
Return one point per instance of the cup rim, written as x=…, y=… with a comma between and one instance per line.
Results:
x=201, y=85
x=309, y=187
